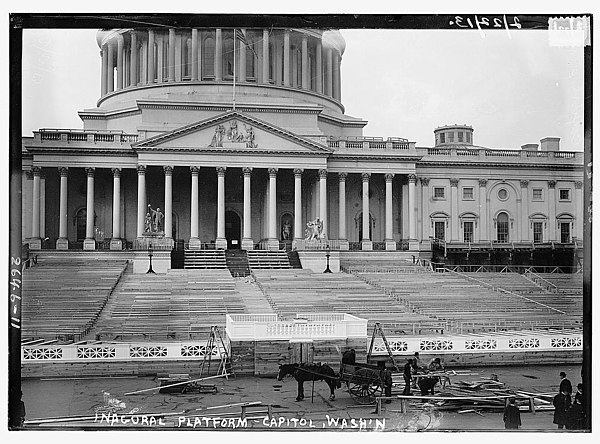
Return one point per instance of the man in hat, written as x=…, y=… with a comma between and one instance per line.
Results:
x=565, y=384
x=407, y=376
x=512, y=415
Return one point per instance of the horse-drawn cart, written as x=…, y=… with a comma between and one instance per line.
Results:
x=364, y=381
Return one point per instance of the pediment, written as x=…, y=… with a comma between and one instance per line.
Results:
x=232, y=131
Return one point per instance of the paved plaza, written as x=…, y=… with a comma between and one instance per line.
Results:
x=84, y=400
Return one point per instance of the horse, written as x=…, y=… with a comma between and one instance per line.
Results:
x=310, y=372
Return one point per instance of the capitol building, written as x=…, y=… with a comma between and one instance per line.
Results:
x=237, y=139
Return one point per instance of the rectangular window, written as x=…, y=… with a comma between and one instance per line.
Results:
x=450, y=137
x=439, y=193
x=468, y=231
x=440, y=230
x=537, y=194
x=468, y=193
x=564, y=194
x=538, y=232
x=468, y=137
x=565, y=232
x=502, y=231
x=460, y=136
x=442, y=138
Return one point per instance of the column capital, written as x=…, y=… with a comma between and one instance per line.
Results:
x=551, y=183
x=524, y=183
x=483, y=183
x=141, y=170
x=424, y=181
x=578, y=184
x=168, y=169
x=63, y=171
x=90, y=171
x=116, y=172
x=247, y=171
x=342, y=176
x=322, y=173
x=272, y=172
x=298, y=172
x=412, y=178
x=194, y=170
x=36, y=171
x=389, y=177
x=221, y=171
x=454, y=181
x=365, y=177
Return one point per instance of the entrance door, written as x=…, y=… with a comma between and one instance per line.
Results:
x=233, y=230
x=301, y=352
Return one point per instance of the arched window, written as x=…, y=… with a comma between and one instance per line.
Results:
x=208, y=59
x=502, y=228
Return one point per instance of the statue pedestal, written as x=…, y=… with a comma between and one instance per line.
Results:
x=390, y=245
x=116, y=244
x=221, y=243
x=413, y=245
x=35, y=243
x=273, y=244
x=344, y=244
x=247, y=244
x=366, y=245
x=195, y=244
x=89, y=244
x=62, y=244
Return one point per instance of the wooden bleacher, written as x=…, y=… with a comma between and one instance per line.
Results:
x=63, y=298
x=178, y=305
x=300, y=290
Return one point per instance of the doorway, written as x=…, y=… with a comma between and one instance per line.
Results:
x=233, y=230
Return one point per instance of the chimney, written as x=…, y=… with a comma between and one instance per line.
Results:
x=550, y=144
x=530, y=147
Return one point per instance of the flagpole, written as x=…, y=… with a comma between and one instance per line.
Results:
x=234, y=57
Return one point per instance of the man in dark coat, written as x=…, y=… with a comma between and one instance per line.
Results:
x=512, y=415
x=386, y=376
x=407, y=377
x=562, y=404
x=565, y=384
x=576, y=415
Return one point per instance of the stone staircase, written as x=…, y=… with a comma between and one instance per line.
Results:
x=204, y=259
x=237, y=262
x=294, y=259
x=264, y=259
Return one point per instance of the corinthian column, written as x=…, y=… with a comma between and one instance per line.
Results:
x=342, y=211
x=168, y=228
x=221, y=242
x=455, y=236
x=62, y=242
x=323, y=200
x=412, y=179
x=390, y=244
x=247, y=242
x=366, y=243
x=273, y=241
x=298, y=203
x=524, y=223
x=552, y=210
x=90, y=242
x=36, y=241
x=483, y=211
x=116, y=243
x=141, y=207
x=194, y=240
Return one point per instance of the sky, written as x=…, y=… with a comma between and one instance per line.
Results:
x=513, y=89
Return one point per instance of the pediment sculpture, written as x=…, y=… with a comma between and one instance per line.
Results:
x=233, y=135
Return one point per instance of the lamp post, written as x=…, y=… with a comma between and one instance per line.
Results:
x=150, y=270
x=327, y=254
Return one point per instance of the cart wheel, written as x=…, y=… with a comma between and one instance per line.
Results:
x=364, y=386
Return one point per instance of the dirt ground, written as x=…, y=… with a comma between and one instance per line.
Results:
x=85, y=399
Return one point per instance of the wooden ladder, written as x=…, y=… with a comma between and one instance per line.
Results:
x=215, y=339
x=378, y=329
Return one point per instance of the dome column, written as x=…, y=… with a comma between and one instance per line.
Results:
x=115, y=242
x=286, y=58
x=150, y=56
x=194, y=55
x=104, y=70
x=120, y=74
x=247, y=242
x=110, y=77
x=194, y=243
x=62, y=243
x=305, y=81
x=273, y=242
x=242, y=58
x=90, y=242
x=171, y=56
x=328, y=72
x=265, y=56
x=218, y=55
x=133, y=60
x=319, y=67
x=390, y=244
x=221, y=241
x=335, y=82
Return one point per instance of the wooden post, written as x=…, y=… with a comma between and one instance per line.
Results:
x=312, y=395
x=532, y=404
x=270, y=411
x=378, y=408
